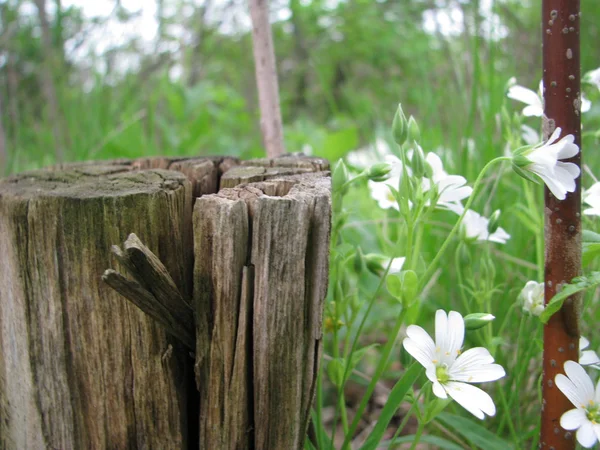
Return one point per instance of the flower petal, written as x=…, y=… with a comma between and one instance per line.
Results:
x=420, y=345
x=473, y=399
x=583, y=343
x=475, y=366
x=533, y=111
x=557, y=189
x=573, y=419
x=588, y=357
x=586, y=435
x=438, y=390
x=522, y=94
x=568, y=148
x=577, y=385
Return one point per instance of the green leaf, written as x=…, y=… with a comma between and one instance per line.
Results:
x=335, y=371
x=435, y=441
x=590, y=251
x=391, y=406
x=590, y=236
x=578, y=284
x=357, y=355
x=394, y=285
x=591, y=246
x=474, y=432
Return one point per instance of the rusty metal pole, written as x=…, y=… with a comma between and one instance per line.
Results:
x=562, y=97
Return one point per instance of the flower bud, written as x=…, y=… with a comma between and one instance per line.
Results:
x=339, y=177
x=494, y=222
x=418, y=162
x=359, y=261
x=375, y=262
x=400, y=126
x=379, y=172
x=414, y=134
x=477, y=320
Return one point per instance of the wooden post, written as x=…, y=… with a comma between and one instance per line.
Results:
x=562, y=98
x=259, y=314
x=81, y=368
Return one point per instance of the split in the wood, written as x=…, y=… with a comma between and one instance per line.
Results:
x=152, y=290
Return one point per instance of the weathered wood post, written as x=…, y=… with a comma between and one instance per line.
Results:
x=80, y=368
x=562, y=101
x=94, y=372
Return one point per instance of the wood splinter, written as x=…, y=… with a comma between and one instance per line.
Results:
x=152, y=290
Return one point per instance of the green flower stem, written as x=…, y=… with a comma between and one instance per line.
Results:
x=511, y=426
x=387, y=350
x=433, y=265
x=341, y=395
x=407, y=416
x=539, y=238
x=420, y=429
x=319, y=408
x=461, y=285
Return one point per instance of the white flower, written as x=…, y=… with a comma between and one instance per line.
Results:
x=366, y=157
x=591, y=196
x=529, y=135
x=450, y=370
x=535, y=101
x=475, y=226
x=451, y=188
x=544, y=162
x=382, y=193
x=579, y=389
x=533, y=297
x=593, y=77
x=587, y=357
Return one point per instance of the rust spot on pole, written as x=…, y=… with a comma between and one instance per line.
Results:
x=562, y=97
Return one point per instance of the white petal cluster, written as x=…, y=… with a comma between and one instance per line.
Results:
x=544, y=161
x=579, y=389
x=382, y=193
x=532, y=296
x=535, y=101
x=475, y=226
x=588, y=357
x=366, y=157
x=591, y=197
x=450, y=188
x=450, y=370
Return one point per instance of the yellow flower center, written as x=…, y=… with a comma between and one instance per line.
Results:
x=441, y=372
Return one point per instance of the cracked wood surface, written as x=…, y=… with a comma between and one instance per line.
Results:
x=283, y=238
x=79, y=367
x=94, y=371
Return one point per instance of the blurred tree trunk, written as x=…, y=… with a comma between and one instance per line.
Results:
x=10, y=28
x=3, y=151
x=301, y=56
x=266, y=78
x=47, y=80
x=195, y=73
